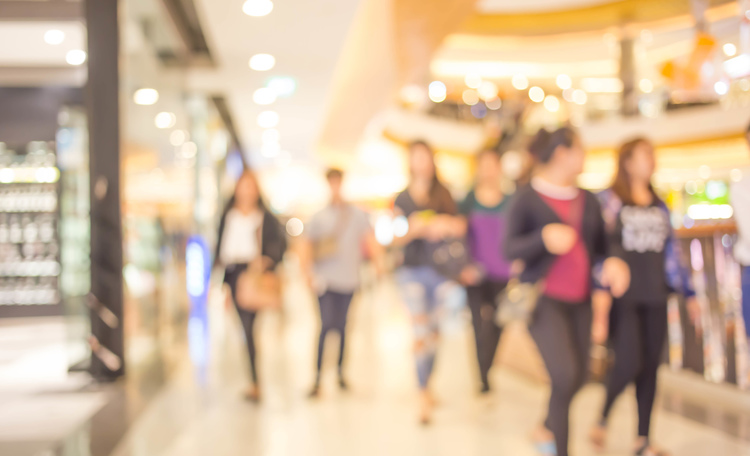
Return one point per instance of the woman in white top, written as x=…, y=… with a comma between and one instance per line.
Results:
x=245, y=224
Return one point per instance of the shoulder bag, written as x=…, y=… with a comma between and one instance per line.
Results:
x=259, y=288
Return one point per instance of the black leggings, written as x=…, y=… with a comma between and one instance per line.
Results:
x=483, y=304
x=562, y=332
x=232, y=274
x=638, y=335
x=334, y=308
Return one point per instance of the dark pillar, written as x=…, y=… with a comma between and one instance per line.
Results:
x=628, y=76
x=106, y=227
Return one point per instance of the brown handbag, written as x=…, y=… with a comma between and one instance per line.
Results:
x=259, y=288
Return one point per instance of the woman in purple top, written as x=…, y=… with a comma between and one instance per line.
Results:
x=485, y=209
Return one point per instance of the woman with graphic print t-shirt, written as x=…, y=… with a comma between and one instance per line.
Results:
x=640, y=232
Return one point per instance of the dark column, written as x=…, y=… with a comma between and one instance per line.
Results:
x=106, y=226
x=628, y=76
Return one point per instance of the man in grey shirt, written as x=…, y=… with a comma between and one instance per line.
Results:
x=335, y=244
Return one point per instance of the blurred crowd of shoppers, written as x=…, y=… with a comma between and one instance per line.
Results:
x=598, y=269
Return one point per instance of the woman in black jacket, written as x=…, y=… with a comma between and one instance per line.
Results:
x=556, y=229
x=248, y=232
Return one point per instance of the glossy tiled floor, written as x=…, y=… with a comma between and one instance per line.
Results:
x=200, y=411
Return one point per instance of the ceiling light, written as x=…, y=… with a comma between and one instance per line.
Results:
x=721, y=88
x=54, y=37
x=283, y=86
x=580, y=97
x=536, y=94
x=75, y=57
x=264, y=96
x=268, y=119
x=487, y=90
x=494, y=104
x=470, y=97
x=738, y=67
x=178, y=137
x=146, y=97
x=271, y=135
x=262, y=62
x=564, y=82
x=520, y=82
x=165, y=120
x=257, y=8
x=730, y=50
x=473, y=80
x=552, y=103
x=646, y=86
x=602, y=85
x=438, y=91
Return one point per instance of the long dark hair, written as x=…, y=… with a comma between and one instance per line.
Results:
x=439, y=193
x=544, y=143
x=248, y=174
x=622, y=185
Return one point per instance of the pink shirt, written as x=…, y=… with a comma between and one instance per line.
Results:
x=569, y=278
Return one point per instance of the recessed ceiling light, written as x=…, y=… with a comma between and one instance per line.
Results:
x=264, y=96
x=54, y=37
x=262, y=62
x=165, y=120
x=257, y=8
x=268, y=119
x=76, y=57
x=283, y=86
x=271, y=135
x=146, y=97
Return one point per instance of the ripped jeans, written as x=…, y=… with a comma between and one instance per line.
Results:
x=425, y=293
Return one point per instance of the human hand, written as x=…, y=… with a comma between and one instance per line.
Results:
x=559, y=238
x=616, y=276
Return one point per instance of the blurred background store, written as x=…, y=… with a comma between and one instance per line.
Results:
x=125, y=123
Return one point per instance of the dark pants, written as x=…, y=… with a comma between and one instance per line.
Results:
x=562, y=332
x=232, y=274
x=334, y=308
x=638, y=339
x=483, y=304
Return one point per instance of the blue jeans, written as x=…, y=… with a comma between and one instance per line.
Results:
x=333, y=311
x=746, y=298
x=424, y=292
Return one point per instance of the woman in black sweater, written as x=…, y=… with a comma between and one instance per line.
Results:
x=556, y=230
x=248, y=232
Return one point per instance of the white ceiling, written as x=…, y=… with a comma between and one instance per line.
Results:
x=526, y=6
x=24, y=46
x=306, y=38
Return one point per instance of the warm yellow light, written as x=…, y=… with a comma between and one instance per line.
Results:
x=54, y=37
x=473, y=80
x=730, y=50
x=264, y=96
x=470, y=97
x=494, y=104
x=437, y=91
x=76, y=57
x=488, y=90
x=552, y=103
x=146, y=97
x=536, y=94
x=564, y=82
x=580, y=97
x=165, y=120
x=520, y=82
x=602, y=85
x=646, y=86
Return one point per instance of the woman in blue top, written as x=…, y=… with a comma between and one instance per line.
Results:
x=639, y=229
x=485, y=211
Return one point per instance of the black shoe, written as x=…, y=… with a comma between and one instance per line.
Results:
x=343, y=385
x=485, y=389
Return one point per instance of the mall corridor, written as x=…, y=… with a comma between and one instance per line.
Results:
x=200, y=410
